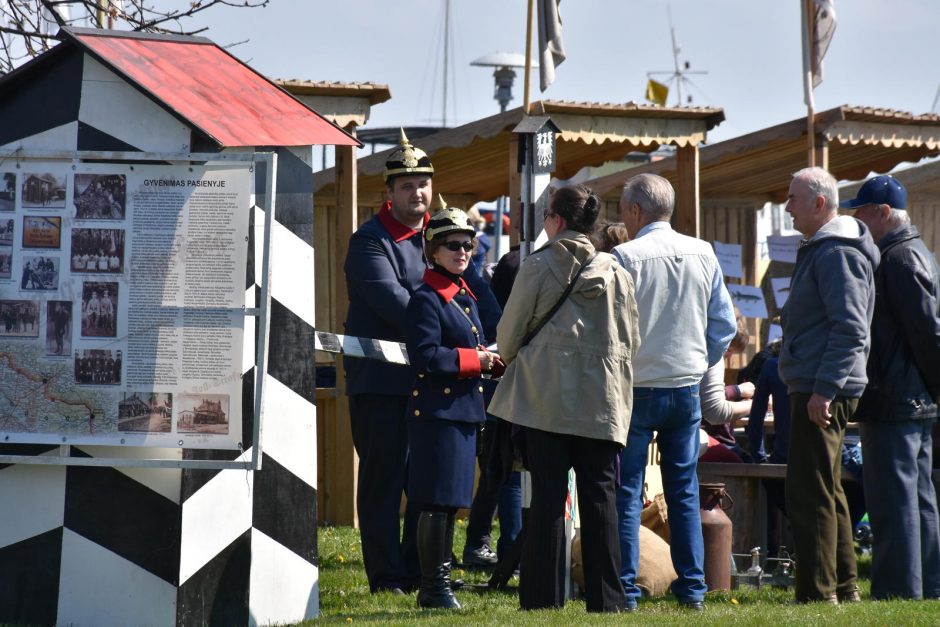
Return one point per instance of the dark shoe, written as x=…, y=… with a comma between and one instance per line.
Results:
x=852, y=596
x=480, y=556
x=693, y=606
x=434, y=554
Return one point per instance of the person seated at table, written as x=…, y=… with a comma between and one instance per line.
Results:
x=722, y=405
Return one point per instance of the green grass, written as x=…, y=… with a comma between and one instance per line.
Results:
x=345, y=598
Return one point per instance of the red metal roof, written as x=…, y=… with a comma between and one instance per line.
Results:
x=212, y=90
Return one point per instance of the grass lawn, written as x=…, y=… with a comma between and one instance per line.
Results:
x=345, y=598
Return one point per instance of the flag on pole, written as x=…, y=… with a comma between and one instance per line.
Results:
x=551, y=47
x=824, y=26
x=656, y=92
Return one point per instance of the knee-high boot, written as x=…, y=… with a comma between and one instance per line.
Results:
x=434, y=554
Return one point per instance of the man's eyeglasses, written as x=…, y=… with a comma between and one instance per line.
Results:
x=455, y=246
x=546, y=215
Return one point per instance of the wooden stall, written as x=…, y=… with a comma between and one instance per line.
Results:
x=474, y=162
x=739, y=176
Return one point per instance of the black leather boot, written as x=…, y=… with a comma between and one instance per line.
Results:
x=455, y=584
x=434, y=554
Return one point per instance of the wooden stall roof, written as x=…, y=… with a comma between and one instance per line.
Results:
x=759, y=164
x=473, y=161
x=208, y=89
x=376, y=93
x=344, y=104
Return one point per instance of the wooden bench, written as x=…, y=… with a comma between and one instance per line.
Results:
x=749, y=513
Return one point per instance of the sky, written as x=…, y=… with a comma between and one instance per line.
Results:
x=880, y=55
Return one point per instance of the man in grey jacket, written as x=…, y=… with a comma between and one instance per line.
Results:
x=899, y=408
x=825, y=346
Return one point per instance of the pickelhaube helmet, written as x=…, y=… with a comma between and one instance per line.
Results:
x=447, y=220
x=406, y=160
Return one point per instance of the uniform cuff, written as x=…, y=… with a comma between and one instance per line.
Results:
x=468, y=363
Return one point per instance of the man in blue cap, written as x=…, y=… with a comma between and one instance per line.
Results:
x=900, y=404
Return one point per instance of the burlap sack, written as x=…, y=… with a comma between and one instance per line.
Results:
x=654, y=573
x=656, y=518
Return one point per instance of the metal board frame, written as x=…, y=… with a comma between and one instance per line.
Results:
x=253, y=462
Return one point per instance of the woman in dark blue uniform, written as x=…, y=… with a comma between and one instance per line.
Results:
x=446, y=347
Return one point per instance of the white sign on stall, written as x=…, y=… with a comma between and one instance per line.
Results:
x=781, y=287
x=729, y=258
x=783, y=247
x=749, y=300
x=775, y=332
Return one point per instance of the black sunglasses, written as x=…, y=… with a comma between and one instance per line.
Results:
x=455, y=246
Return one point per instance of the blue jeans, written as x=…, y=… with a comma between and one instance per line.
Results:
x=674, y=414
x=902, y=508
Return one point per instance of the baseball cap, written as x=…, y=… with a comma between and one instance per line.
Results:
x=881, y=190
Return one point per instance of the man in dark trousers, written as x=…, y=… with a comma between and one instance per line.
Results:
x=825, y=346
x=899, y=407
x=384, y=266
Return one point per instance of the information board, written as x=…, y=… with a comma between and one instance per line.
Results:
x=122, y=303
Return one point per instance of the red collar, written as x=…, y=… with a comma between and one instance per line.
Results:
x=396, y=229
x=444, y=287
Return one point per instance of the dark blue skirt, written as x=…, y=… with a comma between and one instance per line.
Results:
x=441, y=462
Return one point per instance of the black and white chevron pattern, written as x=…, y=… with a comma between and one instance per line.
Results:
x=132, y=546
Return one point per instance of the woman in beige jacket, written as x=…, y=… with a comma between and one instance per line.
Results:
x=571, y=388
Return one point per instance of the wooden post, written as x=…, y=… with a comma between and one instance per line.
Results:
x=342, y=461
x=821, y=152
x=515, y=192
x=686, y=218
x=809, y=28
x=528, y=57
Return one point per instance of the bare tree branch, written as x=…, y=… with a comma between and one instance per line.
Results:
x=27, y=27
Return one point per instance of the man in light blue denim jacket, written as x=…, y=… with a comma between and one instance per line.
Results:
x=686, y=323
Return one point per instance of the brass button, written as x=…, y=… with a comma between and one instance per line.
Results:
x=446, y=390
x=466, y=309
x=462, y=291
x=417, y=413
x=414, y=393
x=480, y=388
x=473, y=329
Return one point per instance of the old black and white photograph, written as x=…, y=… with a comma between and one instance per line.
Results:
x=203, y=413
x=7, y=191
x=97, y=366
x=19, y=318
x=100, y=196
x=58, y=328
x=98, y=250
x=6, y=263
x=99, y=309
x=42, y=232
x=145, y=412
x=40, y=272
x=43, y=190
x=6, y=232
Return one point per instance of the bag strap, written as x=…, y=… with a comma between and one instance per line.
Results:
x=463, y=313
x=531, y=334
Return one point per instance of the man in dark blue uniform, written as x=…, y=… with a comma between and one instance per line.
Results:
x=384, y=266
